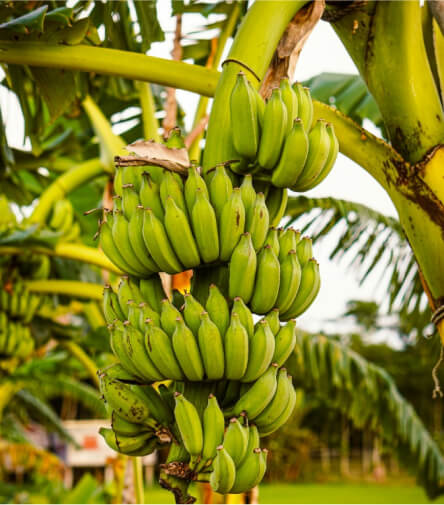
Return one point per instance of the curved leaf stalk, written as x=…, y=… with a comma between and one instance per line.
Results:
x=264, y=23
x=76, y=289
x=110, y=144
x=409, y=101
x=368, y=396
x=149, y=120
x=78, y=252
x=87, y=363
x=94, y=315
x=64, y=184
x=138, y=479
x=106, y=61
x=229, y=26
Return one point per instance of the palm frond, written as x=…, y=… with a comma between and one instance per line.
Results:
x=371, y=243
x=369, y=397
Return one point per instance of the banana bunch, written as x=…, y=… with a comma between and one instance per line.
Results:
x=18, y=302
x=62, y=221
x=230, y=458
x=177, y=225
x=15, y=338
x=277, y=139
x=140, y=416
x=196, y=343
x=281, y=275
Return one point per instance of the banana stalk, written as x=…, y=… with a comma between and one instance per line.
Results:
x=76, y=289
x=149, y=120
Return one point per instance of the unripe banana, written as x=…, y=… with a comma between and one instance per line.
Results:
x=117, y=204
x=288, y=240
x=135, y=237
x=277, y=204
x=160, y=350
x=170, y=186
x=278, y=404
x=130, y=444
x=211, y=349
x=190, y=427
x=152, y=292
x=304, y=250
x=168, y=316
x=158, y=244
x=332, y=155
x=253, y=440
x=308, y=290
x=318, y=152
x=250, y=473
x=290, y=279
x=261, y=347
x=285, y=342
x=244, y=119
x=260, y=106
x=273, y=131
x=293, y=157
x=187, y=352
x=110, y=438
x=305, y=105
x=236, y=441
x=150, y=196
x=124, y=294
x=130, y=201
x=180, y=235
x=248, y=194
x=191, y=312
x=232, y=224
x=204, y=221
x=117, y=183
x=280, y=421
x=133, y=314
x=254, y=401
x=267, y=282
x=245, y=315
x=118, y=372
x=159, y=409
x=146, y=312
x=123, y=427
x=242, y=269
x=213, y=430
x=274, y=322
x=175, y=139
x=291, y=102
x=236, y=349
x=108, y=310
x=217, y=308
x=131, y=175
x=194, y=183
x=224, y=472
x=273, y=240
x=258, y=222
x=119, y=348
x=220, y=189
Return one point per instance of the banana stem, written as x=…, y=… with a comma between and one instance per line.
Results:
x=138, y=479
x=63, y=185
x=76, y=289
x=149, y=120
x=77, y=252
x=83, y=358
x=135, y=66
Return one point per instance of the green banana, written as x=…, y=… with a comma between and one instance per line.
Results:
x=236, y=349
x=220, y=189
x=244, y=118
x=285, y=342
x=258, y=396
x=273, y=320
x=146, y=312
x=158, y=244
x=276, y=407
x=253, y=440
x=290, y=100
x=308, y=290
x=130, y=175
x=119, y=348
x=193, y=184
x=175, y=139
x=152, y=292
x=116, y=371
x=124, y=294
x=231, y=225
x=130, y=444
x=150, y=196
x=160, y=350
x=110, y=438
x=293, y=157
x=170, y=186
x=242, y=269
x=305, y=105
x=187, y=352
x=273, y=240
x=224, y=472
x=211, y=348
x=133, y=314
x=260, y=106
x=117, y=203
x=168, y=317
x=135, y=237
x=180, y=234
x=213, y=430
x=160, y=410
x=287, y=242
x=304, y=251
x=290, y=279
x=190, y=427
x=217, y=308
x=267, y=282
x=273, y=131
x=250, y=473
x=123, y=427
x=277, y=204
x=130, y=201
x=191, y=312
x=245, y=315
x=236, y=440
x=248, y=194
x=318, y=152
x=272, y=427
x=332, y=155
x=117, y=183
x=258, y=222
x=203, y=219
x=261, y=347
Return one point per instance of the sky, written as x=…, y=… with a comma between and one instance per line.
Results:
x=323, y=52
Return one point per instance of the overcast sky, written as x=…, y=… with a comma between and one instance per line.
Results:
x=323, y=52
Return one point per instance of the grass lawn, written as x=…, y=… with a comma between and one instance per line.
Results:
x=323, y=493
